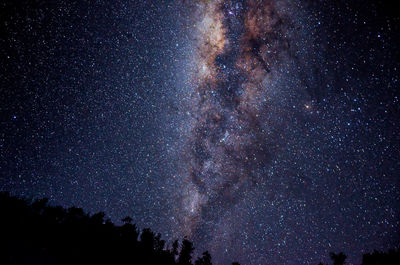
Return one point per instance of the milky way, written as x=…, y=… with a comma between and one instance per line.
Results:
x=235, y=113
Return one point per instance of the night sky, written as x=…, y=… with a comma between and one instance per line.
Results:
x=266, y=132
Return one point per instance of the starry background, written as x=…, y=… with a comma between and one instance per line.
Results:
x=107, y=105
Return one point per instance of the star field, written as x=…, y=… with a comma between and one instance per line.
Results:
x=265, y=131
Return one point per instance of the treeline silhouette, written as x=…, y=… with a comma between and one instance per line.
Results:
x=33, y=232
x=392, y=257
x=37, y=233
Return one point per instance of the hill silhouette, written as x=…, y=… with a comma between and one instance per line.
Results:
x=37, y=233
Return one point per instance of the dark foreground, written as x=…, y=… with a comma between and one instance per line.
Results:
x=36, y=233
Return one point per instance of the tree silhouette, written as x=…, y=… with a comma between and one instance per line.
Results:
x=338, y=259
x=158, y=243
x=185, y=256
x=127, y=220
x=98, y=218
x=147, y=246
x=175, y=247
x=204, y=260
